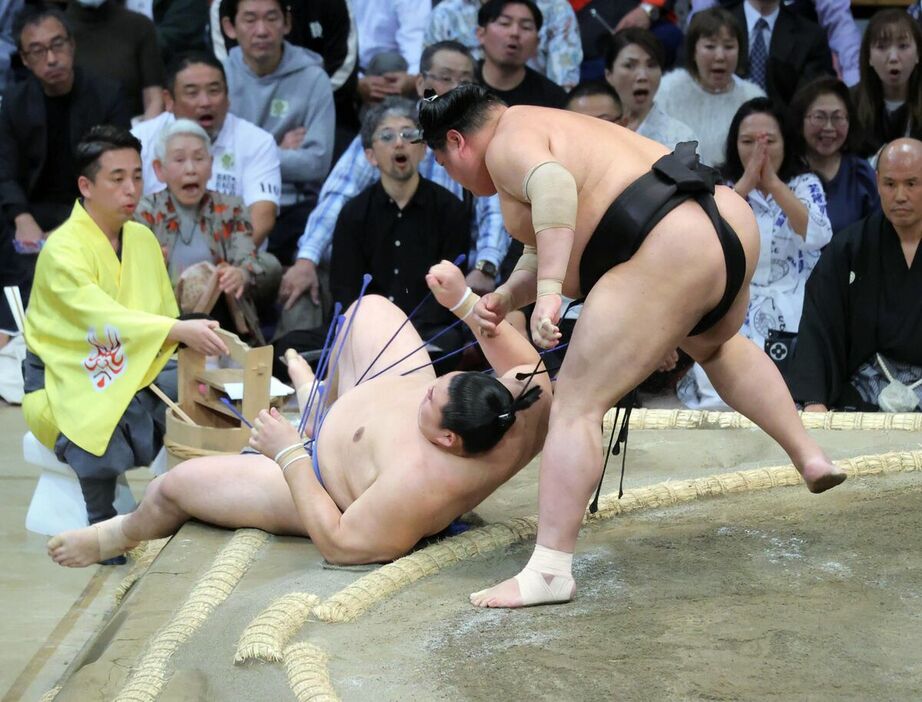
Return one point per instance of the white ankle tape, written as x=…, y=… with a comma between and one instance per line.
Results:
x=112, y=538
x=547, y=560
x=547, y=577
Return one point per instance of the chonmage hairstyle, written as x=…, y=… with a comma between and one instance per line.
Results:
x=463, y=109
x=97, y=141
x=480, y=409
x=791, y=165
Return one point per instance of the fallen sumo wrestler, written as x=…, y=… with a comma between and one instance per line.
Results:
x=404, y=452
x=663, y=257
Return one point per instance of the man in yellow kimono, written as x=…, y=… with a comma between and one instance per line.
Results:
x=101, y=327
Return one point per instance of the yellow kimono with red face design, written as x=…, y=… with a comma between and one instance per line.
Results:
x=100, y=326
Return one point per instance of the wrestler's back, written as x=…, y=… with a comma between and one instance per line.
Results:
x=372, y=434
x=604, y=159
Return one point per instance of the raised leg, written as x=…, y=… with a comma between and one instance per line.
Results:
x=747, y=380
x=228, y=491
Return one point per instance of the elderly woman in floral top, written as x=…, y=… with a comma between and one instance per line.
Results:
x=194, y=224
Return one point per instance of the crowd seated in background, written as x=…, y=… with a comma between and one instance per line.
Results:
x=634, y=63
x=784, y=49
x=595, y=98
x=398, y=26
x=599, y=19
x=41, y=121
x=443, y=66
x=790, y=209
x=508, y=34
x=559, y=52
x=400, y=226
x=122, y=45
x=827, y=134
x=207, y=232
x=707, y=92
x=834, y=16
x=326, y=28
x=888, y=99
x=860, y=341
x=246, y=162
x=283, y=89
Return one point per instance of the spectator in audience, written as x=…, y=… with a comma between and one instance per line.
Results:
x=860, y=341
x=246, y=161
x=8, y=12
x=442, y=67
x=400, y=226
x=834, y=16
x=397, y=25
x=559, y=52
x=784, y=49
x=101, y=327
x=599, y=19
x=888, y=99
x=326, y=28
x=596, y=99
x=508, y=32
x=41, y=120
x=707, y=92
x=194, y=224
x=823, y=116
x=181, y=26
x=285, y=90
x=120, y=44
x=790, y=209
x=634, y=66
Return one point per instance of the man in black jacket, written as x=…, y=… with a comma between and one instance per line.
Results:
x=796, y=49
x=41, y=119
x=861, y=327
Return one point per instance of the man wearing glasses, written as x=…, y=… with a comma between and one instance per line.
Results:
x=442, y=66
x=41, y=120
x=400, y=226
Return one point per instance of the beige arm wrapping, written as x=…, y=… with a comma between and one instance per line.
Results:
x=528, y=261
x=551, y=190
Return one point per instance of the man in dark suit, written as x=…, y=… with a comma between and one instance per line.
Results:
x=784, y=49
x=41, y=119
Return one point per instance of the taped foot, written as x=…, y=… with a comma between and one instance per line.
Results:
x=97, y=543
x=821, y=475
x=547, y=579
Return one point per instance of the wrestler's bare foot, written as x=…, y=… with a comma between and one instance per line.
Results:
x=84, y=547
x=299, y=370
x=547, y=578
x=820, y=474
x=302, y=377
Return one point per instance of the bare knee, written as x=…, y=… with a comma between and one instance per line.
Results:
x=568, y=411
x=371, y=304
x=170, y=489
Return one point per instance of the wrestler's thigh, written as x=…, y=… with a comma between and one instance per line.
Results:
x=702, y=346
x=236, y=491
x=376, y=321
x=629, y=322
